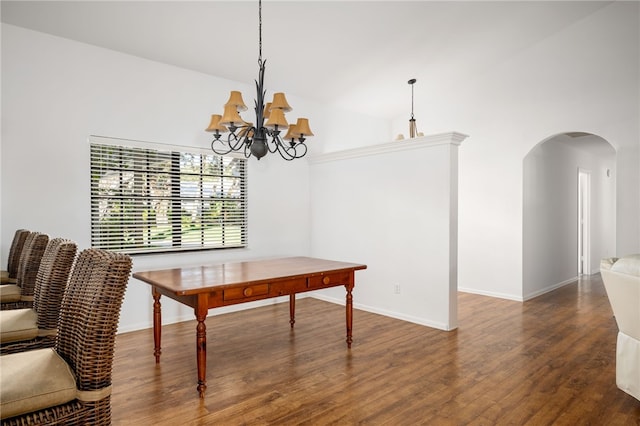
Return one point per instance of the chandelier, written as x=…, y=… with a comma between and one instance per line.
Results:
x=232, y=133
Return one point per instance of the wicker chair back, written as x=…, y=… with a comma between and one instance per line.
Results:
x=52, y=280
x=89, y=316
x=30, y=258
x=14, y=252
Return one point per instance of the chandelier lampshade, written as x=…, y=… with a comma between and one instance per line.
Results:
x=291, y=133
x=232, y=133
x=280, y=102
x=215, y=125
x=276, y=120
x=302, y=127
x=235, y=99
x=231, y=117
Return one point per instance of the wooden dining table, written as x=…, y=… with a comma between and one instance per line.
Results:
x=212, y=286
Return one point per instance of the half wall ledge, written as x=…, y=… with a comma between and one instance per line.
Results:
x=454, y=138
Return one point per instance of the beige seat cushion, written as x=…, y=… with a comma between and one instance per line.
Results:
x=34, y=380
x=17, y=325
x=9, y=293
x=4, y=278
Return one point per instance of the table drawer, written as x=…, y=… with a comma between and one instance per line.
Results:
x=245, y=292
x=329, y=280
x=281, y=288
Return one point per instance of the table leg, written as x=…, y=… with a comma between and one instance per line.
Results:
x=349, y=314
x=201, y=348
x=157, y=324
x=292, y=309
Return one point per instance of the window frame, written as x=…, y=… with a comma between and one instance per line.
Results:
x=117, y=186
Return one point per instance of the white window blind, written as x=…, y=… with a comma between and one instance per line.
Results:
x=157, y=200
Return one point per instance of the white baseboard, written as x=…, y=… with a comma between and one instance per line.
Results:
x=550, y=288
x=519, y=298
x=491, y=294
x=384, y=312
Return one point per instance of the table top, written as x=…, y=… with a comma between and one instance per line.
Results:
x=199, y=279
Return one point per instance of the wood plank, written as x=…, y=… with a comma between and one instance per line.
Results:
x=550, y=360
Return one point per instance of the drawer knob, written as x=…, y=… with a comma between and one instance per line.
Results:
x=247, y=292
x=326, y=280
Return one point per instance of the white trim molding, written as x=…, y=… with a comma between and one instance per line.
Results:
x=454, y=138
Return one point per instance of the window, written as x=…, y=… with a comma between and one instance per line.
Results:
x=155, y=198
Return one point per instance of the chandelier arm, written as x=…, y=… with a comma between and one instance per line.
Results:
x=232, y=142
x=284, y=153
x=295, y=154
x=247, y=150
x=280, y=147
x=290, y=152
x=273, y=143
x=302, y=144
x=226, y=146
x=213, y=148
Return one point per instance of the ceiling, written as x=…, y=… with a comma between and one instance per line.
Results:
x=357, y=55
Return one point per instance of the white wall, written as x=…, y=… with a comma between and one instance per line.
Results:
x=584, y=78
x=392, y=207
x=550, y=213
x=56, y=92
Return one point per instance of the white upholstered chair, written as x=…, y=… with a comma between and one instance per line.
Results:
x=621, y=277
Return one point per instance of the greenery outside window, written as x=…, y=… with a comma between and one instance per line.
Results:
x=159, y=198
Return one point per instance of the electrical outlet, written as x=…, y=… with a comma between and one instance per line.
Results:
x=396, y=288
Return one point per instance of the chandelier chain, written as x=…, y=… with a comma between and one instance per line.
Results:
x=260, y=32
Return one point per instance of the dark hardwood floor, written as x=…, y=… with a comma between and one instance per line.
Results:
x=550, y=360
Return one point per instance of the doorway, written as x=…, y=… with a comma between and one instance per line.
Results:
x=584, y=222
x=569, y=210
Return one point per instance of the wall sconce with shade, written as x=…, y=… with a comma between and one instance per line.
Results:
x=232, y=133
x=413, y=129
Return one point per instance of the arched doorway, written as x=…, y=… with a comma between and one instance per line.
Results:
x=568, y=210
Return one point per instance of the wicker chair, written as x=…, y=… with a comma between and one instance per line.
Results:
x=10, y=275
x=20, y=295
x=70, y=384
x=27, y=329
